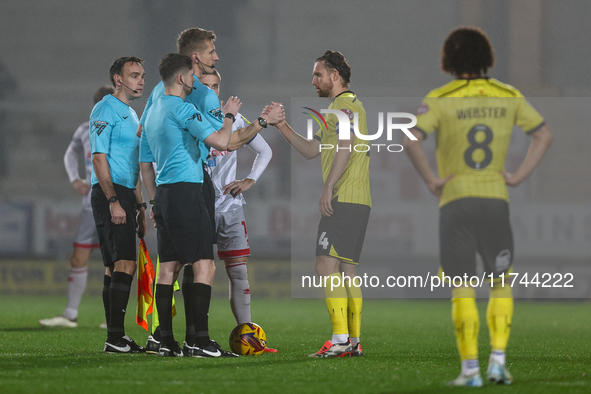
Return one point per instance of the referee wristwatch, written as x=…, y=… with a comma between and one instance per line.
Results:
x=113, y=199
x=230, y=115
x=262, y=122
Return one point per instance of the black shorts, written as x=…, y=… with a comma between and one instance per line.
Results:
x=341, y=235
x=183, y=223
x=117, y=241
x=472, y=225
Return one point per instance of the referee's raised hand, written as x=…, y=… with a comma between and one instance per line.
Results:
x=231, y=106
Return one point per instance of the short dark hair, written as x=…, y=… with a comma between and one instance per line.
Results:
x=334, y=60
x=467, y=50
x=102, y=92
x=118, y=64
x=193, y=39
x=172, y=64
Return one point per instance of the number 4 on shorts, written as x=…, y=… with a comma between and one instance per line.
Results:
x=323, y=241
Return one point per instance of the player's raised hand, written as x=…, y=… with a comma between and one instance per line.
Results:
x=232, y=105
x=81, y=186
x=118, y=215
x=436, y=185
x=238, y=186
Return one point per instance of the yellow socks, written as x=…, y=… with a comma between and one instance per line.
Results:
x=355, y=303
x=336, y=301
x=344, y=305
x=466, y=321
x=499, y=315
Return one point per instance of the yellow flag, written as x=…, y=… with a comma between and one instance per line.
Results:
x=145, y=279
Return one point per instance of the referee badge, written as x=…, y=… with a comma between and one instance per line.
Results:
x=99, y=126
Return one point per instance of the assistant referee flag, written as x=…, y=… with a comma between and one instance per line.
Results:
x=145, y=279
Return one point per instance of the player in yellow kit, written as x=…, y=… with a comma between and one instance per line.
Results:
x=344, y=204
x=472, y=118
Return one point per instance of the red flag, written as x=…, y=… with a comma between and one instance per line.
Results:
x=145, y=279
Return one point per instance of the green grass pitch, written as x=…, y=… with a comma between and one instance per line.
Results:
x=409, y=348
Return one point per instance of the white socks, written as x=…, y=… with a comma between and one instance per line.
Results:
x=76, y=286
x=470, y=367
x=497, y=356
x=239, y=292
x=339, y=338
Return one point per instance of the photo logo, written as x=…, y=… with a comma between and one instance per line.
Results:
x=348, y=122
x=317, y=117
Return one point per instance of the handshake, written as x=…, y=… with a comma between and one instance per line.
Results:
x=273, y=114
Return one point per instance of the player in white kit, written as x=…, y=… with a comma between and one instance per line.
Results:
x=86, y=238
x=230, y=225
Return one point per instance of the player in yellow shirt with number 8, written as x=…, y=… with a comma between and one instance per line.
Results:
x=472, y=118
